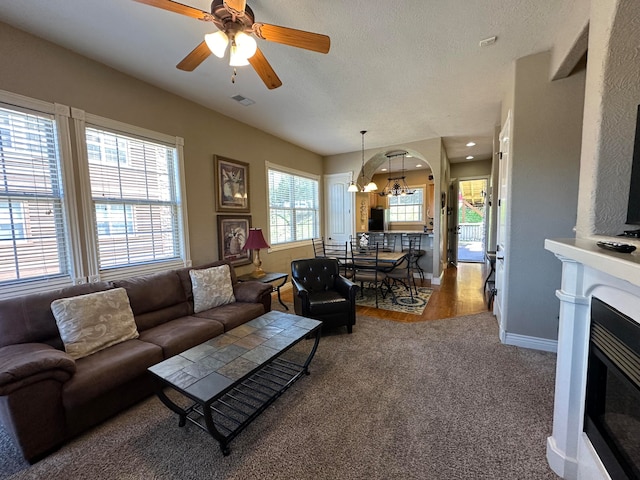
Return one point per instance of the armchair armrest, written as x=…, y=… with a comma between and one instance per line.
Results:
x=299, y=289
x=346, y=287
x=251, y=292
x=27, y=363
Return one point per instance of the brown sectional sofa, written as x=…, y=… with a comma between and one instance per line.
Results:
x=46, y=397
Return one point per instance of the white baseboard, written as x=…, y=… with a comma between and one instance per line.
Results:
x=524, y=341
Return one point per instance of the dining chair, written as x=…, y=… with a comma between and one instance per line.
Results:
x=318, y=247
x=417, y=253
x=369, y=271
x=338, y=250
x=403, y=272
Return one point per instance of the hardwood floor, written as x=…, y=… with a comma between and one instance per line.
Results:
x=459, y=294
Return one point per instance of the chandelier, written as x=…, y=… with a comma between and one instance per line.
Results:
x=396, y=186
x=362, y=186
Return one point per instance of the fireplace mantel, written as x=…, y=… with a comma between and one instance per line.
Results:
x=587, y=271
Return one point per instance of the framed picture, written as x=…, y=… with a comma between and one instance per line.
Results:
x=232, y=235
x=232, y=185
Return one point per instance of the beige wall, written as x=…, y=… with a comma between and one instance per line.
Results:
x=543, y=197
x=42, y=70
x=479, y=168
x=611, y=105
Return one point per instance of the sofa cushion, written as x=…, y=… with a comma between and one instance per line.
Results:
x=93, y=322
x=233, y=315
x=107, y=369
x=211, y=287
x=29, y=319
x=156, y=298
x=181, y=334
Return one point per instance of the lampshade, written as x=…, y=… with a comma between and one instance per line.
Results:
x=235, y=57
x=353, y=188
x=371, y=187
x=246, y=45
x=256, y=240
x=217, y=43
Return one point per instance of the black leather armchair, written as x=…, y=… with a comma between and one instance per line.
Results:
x=320, y=292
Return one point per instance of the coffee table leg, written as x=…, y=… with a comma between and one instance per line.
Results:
x=211, y=428
x=182, y=414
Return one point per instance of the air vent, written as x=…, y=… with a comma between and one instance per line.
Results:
x=243, y=100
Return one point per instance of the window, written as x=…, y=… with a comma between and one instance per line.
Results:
x=136, y=200
x=114, y=219
x=33, y=232
x=293, y=206
x=407, y=208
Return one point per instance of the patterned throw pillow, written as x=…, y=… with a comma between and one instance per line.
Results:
x=211, y=287
x=93, y=322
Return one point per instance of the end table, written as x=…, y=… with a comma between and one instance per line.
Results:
x=268, y=278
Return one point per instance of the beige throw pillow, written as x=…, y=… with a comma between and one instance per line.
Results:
x=211, y=287
x=93, y=322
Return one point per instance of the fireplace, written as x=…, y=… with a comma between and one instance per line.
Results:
x=612, y=407
x=610, y=416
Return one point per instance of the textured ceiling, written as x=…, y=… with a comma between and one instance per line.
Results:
x=404, y=71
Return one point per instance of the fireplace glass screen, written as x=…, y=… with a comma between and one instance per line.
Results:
x=612, y=413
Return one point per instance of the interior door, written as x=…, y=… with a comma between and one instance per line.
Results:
x=339, y=206
x=502, y=239
x=452, y=223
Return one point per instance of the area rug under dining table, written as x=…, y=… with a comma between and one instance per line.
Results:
x=403, y=300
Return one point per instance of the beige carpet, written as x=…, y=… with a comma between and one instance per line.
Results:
x=429, y=400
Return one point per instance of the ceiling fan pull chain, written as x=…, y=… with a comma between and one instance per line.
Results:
x=233, y=76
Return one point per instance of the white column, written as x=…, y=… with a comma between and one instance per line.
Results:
x=573, y=341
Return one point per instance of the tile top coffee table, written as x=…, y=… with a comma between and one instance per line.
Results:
x=234, y=377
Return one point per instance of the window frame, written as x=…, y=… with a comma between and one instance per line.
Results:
x=83, y=120
x=60, y=116
x=423, y=188
x=298, y=173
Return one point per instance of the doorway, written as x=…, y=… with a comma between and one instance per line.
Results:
x=471, y=232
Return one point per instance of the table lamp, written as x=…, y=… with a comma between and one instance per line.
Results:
x=256, y=241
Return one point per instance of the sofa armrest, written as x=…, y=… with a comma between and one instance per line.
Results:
x=27, y=363
x=252, y=291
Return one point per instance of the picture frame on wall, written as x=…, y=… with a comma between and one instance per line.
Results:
x=233, y=231
x=232, y=185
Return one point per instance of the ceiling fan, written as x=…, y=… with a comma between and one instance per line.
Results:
x=236, y=23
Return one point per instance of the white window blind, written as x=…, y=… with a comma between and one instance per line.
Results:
x=135, y=194
x=33, y=237
x=293, y=207
x=407, y=208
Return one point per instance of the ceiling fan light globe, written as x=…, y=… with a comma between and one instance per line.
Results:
x=246, y=44
x=217, y=42
x=236, y=59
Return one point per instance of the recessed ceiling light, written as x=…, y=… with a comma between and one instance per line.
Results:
x=383, y=169
x=471, y=144
x=469, y=157
x=418, y=165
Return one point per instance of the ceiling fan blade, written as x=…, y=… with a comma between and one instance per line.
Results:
x=295, y=38
x=235, y=7
x=176, y=7
x=195, y=58
x=264, y=70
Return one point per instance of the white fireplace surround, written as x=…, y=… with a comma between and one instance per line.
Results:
x=614, y=278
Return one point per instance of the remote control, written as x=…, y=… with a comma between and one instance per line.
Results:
x=617, y=247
